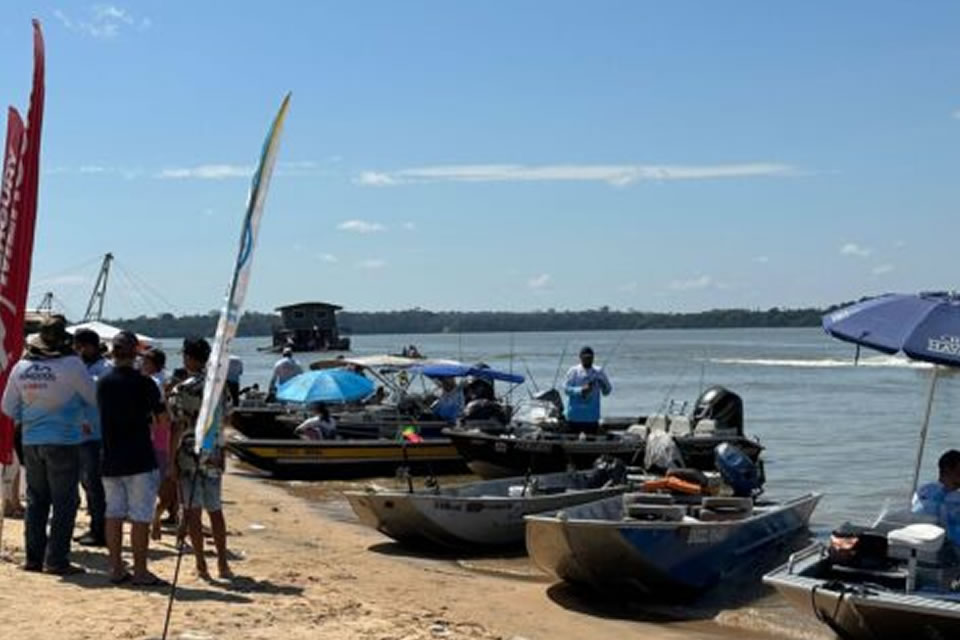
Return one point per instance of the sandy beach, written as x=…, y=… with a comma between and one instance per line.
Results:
x=304, y=573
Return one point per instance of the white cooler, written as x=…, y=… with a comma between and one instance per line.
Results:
x=917, y=544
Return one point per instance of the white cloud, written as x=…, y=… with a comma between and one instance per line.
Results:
x=853, y=249
x=762, y=259
x=617, y=175
x=206, y=172
x=628, y=287
x=956, y=114
x=372, y=263
x=899, y=244
x=375, y=179
x=409, y=226
x=361, y=226
x=208, y=212
x=103, y=21
x=702, y=282
x=328, y=257
x=879, y=270
x=539, y=282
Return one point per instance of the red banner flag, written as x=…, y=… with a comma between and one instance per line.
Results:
x=18, y=214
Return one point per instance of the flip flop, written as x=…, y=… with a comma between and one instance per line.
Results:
x=150, y=581
x=121, y=579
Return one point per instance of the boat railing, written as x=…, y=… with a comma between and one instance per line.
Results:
x=803, y=554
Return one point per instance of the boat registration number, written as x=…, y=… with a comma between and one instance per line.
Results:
x=703, y=535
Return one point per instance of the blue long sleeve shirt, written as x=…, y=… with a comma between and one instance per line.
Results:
x=53, y=399
x=934, y=499
x=580, y=407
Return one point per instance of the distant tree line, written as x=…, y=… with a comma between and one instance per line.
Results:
x=422, y=321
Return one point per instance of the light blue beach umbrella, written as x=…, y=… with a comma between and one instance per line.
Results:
x=327, y=385
x=923, y=326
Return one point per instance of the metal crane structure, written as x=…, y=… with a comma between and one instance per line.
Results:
x=95, y=306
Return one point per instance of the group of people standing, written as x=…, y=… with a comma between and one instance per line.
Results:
x=123, y=431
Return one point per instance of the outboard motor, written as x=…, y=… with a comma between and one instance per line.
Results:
x=484, y=410
x=738, y=471
x=607, y=471
x=722, y=406
x=553, y=397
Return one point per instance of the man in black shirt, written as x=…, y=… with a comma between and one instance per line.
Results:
x=128, y=402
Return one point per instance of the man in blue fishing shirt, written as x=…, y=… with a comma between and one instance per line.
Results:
x=941, y=498
x=50, y=395
x=583, y=386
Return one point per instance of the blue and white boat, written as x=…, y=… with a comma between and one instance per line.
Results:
x=658, y=544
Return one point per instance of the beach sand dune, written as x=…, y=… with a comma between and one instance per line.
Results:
x=300, y=575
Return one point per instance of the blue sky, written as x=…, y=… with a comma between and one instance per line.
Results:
x=498, y=155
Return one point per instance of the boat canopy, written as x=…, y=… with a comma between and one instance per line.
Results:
x=107, y=332
x=384, y=361
x=461, y=370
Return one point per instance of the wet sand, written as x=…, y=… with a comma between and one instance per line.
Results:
x=307, y=569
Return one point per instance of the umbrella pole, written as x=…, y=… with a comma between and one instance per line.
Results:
x=923, y=431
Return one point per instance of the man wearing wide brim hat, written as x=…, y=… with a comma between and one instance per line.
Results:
x=50, y=396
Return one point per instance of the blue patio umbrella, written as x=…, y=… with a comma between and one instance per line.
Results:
x=924, y=326
x=335, y=386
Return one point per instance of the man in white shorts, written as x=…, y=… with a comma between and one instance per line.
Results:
x=128, y=402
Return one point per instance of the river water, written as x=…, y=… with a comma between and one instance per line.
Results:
x=850, y=432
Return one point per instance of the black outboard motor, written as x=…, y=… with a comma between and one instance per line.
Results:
x=553, y=397
x=607, y=471
x=485, y=410
x=722, y=406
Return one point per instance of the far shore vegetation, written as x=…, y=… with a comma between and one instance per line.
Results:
x=254, y=323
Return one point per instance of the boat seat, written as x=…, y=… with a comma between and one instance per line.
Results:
x=657, y=422
x=642, y=497
x=656, y=512
x=679, y=425
x=705, y=428
x=730, y=504
x=719, y=509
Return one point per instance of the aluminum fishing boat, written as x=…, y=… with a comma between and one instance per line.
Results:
x=658, y=545
x=480, y=514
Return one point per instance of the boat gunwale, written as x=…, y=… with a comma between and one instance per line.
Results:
x=779, y=507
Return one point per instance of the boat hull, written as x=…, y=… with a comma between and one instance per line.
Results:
x=278, y=423
x=494, y=456
x=659, y=559
x=855, y=613
x=309, y=459
x=462, y=521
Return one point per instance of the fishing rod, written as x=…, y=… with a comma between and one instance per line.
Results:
x=556, y=374
x=533, y=380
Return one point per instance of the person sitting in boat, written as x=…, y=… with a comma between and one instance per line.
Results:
x=319, y=426
x=450, y=403
x=478, y=389
x=583, y=386
x=284, y=369
x=378, y=397
x=941, y=498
